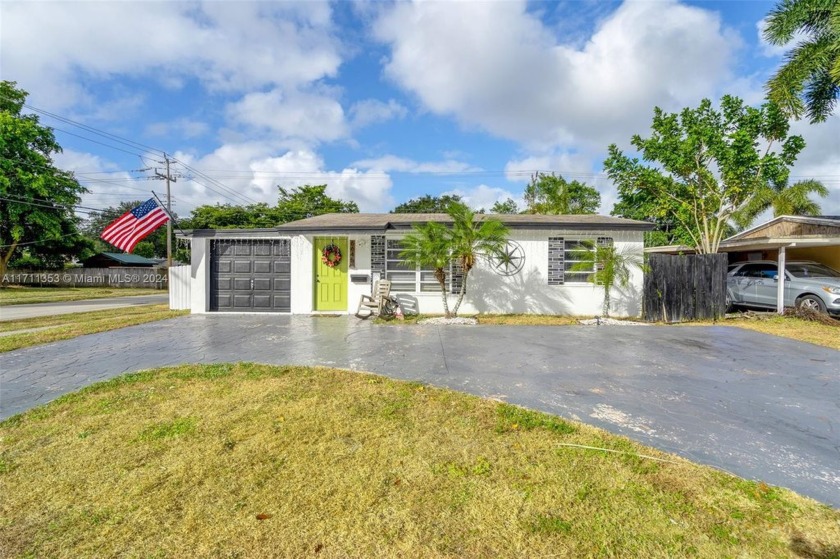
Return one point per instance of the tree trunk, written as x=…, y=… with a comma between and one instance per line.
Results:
x=606, y=302
x=440, y=276
x=461, y=294
x=5, y=257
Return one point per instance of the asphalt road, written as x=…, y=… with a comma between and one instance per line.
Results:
x=19, y=312
x=762, y=407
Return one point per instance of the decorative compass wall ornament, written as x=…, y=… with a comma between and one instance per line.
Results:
x=509, y=260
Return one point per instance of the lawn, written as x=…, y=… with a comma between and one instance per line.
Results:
x=825, y=334
x=19, y=295
x=245, y=460
x=65, y=326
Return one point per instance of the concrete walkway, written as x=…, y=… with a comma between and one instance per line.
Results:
x=20, y=312
x=759, y=406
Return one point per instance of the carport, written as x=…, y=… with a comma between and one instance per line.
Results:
x=781, y=239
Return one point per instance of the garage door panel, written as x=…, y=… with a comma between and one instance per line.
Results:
x=242, y=301
x=250, y=276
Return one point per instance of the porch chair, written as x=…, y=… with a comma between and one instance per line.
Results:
x=373, y=303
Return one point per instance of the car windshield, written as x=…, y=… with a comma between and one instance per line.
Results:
x=804, y=270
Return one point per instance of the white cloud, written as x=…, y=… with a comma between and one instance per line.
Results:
x=393, y=163
x=252, y=171
x=308, y=116
x=227, y=46
x=820, y=160
x=771, y=50
x=371, y=111
x=182, y=128
x=495, y=66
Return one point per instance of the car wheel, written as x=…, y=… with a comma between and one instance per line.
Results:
x=729, y=307
x=811, y=302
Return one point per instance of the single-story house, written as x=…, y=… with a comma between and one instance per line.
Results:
x=119, y=260
x=283, y=269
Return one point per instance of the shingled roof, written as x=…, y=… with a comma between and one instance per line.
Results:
x=398, y=221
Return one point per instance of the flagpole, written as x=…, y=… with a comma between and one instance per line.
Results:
x=172, y=219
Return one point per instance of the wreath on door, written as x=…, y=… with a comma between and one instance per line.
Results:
x=331, y=255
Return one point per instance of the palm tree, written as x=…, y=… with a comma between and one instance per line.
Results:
x=812, y=69
x=612, y=267
x=428, y=247
x=470, y=240
x=784, y=200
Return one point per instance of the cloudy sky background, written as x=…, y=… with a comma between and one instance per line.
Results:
x=381, y=101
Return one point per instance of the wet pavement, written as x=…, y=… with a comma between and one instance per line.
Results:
x=762, y=407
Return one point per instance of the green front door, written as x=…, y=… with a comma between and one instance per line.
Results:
x=330, y=281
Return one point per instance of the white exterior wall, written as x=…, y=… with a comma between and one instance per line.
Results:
x=200, y=275
x=528, y=292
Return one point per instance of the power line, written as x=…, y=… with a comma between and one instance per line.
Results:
x=97, y=131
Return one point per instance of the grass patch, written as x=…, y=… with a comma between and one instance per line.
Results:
x=20, y=295
x=66, y=326
x=819, y=333
x=246, y=460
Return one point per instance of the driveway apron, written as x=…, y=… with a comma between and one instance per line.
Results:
x=760, y=406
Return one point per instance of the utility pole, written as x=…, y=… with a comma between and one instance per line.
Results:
x=168, y=178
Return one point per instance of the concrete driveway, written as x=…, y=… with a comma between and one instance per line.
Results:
x=19, y=312
x=759, y=406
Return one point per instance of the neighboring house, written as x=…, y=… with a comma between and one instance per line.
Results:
x=119, y=260
x=282, y=270
x=793, y=237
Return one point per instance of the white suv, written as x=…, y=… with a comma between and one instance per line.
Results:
x=807, y=284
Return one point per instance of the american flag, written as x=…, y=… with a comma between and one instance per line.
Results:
x=134, y=226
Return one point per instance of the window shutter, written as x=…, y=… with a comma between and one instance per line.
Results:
x=601, y=242
x=456, y=276
x=377, y=259
x=556, y=270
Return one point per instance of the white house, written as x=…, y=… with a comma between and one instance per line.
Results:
x=282, y=269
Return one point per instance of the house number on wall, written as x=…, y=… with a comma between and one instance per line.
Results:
x=510, y=260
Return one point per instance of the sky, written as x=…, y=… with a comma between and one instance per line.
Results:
x=381, y=101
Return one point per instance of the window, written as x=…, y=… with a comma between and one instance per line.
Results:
x=405, y=278
x=578, y=261
x=571, y=260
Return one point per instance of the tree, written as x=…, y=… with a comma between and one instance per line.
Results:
x=612, y=267
x=153, y=246
x=297, y=203
x=428, y=245
x=552, y=195
x=427, y=204
x=471, y=239
x=784, y=200
x=809, y=80
x=508, y=206
x=227, y=216
x=36, y=198
x=307, y=201
x=709, y=165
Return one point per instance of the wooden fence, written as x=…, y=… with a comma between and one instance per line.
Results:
x=153, y=278
x=685, y=288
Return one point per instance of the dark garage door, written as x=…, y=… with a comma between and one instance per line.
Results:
x=250, y=276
